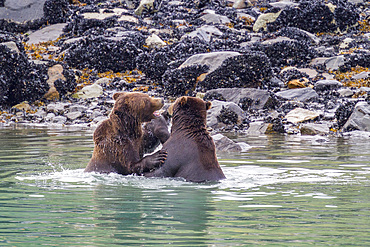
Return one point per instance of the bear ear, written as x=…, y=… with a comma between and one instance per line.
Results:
x=208, y=105
x=116, y=95
x=183, y=100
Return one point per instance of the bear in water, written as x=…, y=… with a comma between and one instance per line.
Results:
x=191, y=152
x=120, y=140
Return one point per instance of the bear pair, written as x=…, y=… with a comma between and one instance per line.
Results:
x=121, y=141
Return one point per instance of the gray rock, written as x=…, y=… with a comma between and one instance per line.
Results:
x=241, y=4
x=314, y=129
x=299, y=94
x=56, y=107
x=257, y=128
x=299, y=115
x=346, y=92
x=73, y=115
x=212, y=59
x=22, y=10
x=91, y=91
x=224, y=144
x=212, y=18
x=333, y=63
x=48, y=33
x=215, y=111
x=362, y=75
x=59, y=119
x=204, y=33
x=11, y=45
x=260, y=98
x=360, y=118
x=77, y=108
x=327, y=84
x=276, y=40
x=154, y=41
x=284, y=4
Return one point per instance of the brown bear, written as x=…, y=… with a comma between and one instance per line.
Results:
x=191, y=152
x=119, y=140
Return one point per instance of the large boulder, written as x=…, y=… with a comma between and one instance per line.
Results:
x=251, y=69
x=20, y=80
x=359, y=119
x=21, y=15
x=110, y=53
x=317, y=16
x=298, y=94
x=246, y=98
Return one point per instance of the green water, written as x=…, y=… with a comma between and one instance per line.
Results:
x=285, y=191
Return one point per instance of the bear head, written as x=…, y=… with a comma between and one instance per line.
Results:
x=191, y=108
x=140, y=106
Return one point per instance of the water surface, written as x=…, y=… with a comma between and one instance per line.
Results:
x=285, y=191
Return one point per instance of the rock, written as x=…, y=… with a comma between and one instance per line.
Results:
x=257, y=128
x=263, y=20
x=334, y=63
x=299, y=115
x=213, y=59
x=91, y=91
x=128, y=18
x=317, y=17
x=77, y=108
x=56, y=107
x=346, y=43
x=48, y=33
x=24, y=106
x=327, y=85
x=153, y=41
x=362, y=75
x=22, y=10
x=284, y=51
x=212, y=18
x=73, y=115
x=108, y=52
x=145, y=5
x=241, y=4
x=205, y=32
x=300, y=94
x=20, y=79
x=54, y=73
x=284, y=4
x=298, y=83
x=315, y=129
x=224, y=144
x=12, y=46
x=359, y=119
x=258, y=99
x=59, y=119
x=252, y=69
x=346, y=92
x=215, y=111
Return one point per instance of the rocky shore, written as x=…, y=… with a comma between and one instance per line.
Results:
x=294, y=67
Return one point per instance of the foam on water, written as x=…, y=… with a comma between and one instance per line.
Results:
x=241, y=177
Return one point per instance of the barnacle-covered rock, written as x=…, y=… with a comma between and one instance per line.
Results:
x=252, y=69
x=20, y=80
x=110, y=53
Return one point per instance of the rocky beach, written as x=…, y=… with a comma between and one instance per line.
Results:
x=292, y=67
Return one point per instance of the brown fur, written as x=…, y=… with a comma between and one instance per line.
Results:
x=191, y=150
x=119, y=139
